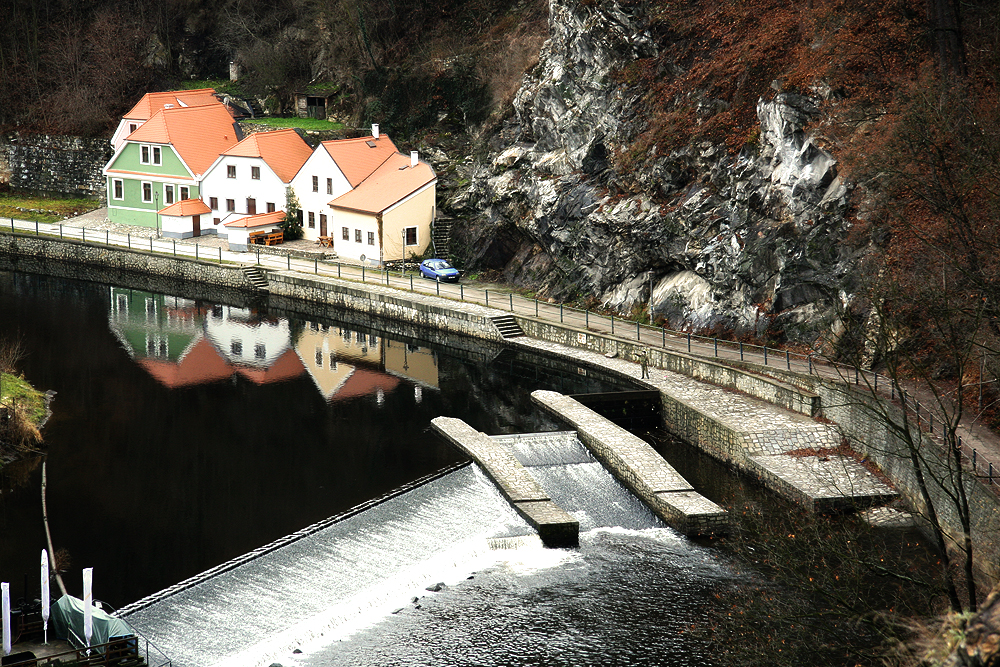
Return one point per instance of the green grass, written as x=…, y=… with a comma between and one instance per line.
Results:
x=43, y=209
x=15, y=389
x=303, y=123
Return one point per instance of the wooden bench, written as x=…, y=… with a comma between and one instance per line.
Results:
x=266, y=238
x=325, y=241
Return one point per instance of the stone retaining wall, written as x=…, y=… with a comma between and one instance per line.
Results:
x=765, y=388
x=55, y=164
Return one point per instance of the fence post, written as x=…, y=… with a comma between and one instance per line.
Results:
x=487, y=297
x=220, y=254
x=362, y=273
x=36, y=228
x=258, y=256
x=83, y=231
x=150, y=244
x=689, y=342
x=741, y=350
x=536, y=306
x=315, y=265
x=338, y=267
x=991, y=472
x=196, y=250
x=876, y=382
x=289, y=262
x=175, y=247
x=586, y=319
x=612, y=324
x=60, y=230
x=663, y=330
x=511, y=295
x=107, y=235
x=765, y=355
x=560, y=313
x=974, y=453
x=437, y=287
x=128, y=238
x=716, y=346
x=461, y=290
x=788, y=360
x=411, y=282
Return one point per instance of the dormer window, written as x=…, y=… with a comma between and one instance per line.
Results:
x=132, y=127
x=149, y=154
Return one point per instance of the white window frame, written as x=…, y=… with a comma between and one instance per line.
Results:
x=116, y=184
x=230, y=171
x=168, y=194
x=157, y=155
x=184, y=193
x=371, y=238
x=416, y=236
x=255, y=173
x=142, y=191
x=150, y=154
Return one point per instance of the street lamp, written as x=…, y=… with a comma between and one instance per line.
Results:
x=156, y=204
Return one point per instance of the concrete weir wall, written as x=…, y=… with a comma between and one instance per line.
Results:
x=639, y=467
x=555, y=526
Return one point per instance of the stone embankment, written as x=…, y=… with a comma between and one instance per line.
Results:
x=555, y=527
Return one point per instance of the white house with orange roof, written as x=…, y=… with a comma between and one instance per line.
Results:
x=238, y=231
x=164, y=161
x=253, y=176
x=183, y=219
x=153, y=102
x=374, y=203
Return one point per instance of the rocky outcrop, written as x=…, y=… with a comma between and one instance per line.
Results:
x=707, y=238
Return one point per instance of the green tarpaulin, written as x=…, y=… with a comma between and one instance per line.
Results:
x=67, y=623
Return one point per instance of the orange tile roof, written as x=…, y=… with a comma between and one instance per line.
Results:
x=186, y=207
x=259, y=220
x=198, y=134
x=201, y=364
x=357, y=159
x=392, y=181
x=153, y=102
x=284, y=151
x=285, y=367
x=363, y=382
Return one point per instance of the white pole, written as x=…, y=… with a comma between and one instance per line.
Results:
x=5, y=593
x=45, y=593
x=88, y=605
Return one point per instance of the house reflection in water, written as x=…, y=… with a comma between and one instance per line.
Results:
x=181, y=343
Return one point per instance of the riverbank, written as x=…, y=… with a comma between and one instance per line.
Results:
x=22, y=412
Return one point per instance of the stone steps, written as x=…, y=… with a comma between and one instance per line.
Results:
x=441, y=237
x=507, y=326
x=256, y=278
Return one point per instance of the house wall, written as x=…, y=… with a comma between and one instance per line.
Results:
x=354, y=221
x=418, y=211
x=321, y=165
x=268, y=189
x=130, y=209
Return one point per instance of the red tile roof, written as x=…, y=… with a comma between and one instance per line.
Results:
x=357, y=159
x=201, y=364
x=186, y=207
x=198, y=134
x=153, y=102
x=393, y=181
x=363, y=382
x=259, y=220
x=284, y=151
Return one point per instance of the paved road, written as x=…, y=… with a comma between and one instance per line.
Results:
x=978, y=441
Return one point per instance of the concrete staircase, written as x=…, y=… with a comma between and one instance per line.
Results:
x=441, y=237
x=256, y=278
x=507, y=326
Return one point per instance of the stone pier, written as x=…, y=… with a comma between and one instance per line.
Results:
x=555, y=527
x=639, y=467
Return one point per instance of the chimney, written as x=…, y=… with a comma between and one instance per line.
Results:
x=413, y=159
x=375, y=130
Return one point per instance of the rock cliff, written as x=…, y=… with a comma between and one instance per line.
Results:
x=708, y=238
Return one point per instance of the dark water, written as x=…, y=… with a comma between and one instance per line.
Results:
x=186, y=433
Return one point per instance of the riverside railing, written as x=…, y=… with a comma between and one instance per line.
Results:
x=567, y=316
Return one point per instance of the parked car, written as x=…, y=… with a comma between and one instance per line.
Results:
x=438, y=269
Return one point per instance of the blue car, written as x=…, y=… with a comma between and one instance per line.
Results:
x=438, y=269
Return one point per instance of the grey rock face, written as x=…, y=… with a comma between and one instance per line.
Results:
x=704, y=237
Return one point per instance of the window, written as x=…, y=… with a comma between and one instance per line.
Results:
x=168, y=195
x=230, y=205
x=357, y=236
x=230, y=171
x=185, y=193
x=411, y=235
x=255, y=173
x=319, y=357
x=251, y=206
x=144, y=154
x=213, y=203
x=156, y=155
x=312, y=220
x=147, y=191
x=345, y=233
x=315, y=183
x=371, y=238
x=237, y=348
x=329, y=186
x=259, y=351
x=132, y=127
x=117, y=189
x=298, y=214
x=216, y=221
x=270, y=207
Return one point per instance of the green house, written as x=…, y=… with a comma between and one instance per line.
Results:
x=164, y=160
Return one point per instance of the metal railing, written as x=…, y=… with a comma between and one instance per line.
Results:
x=567, y=316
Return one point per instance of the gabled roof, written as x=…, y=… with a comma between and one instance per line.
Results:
x=199, y=365
x=186, y=207
x=285, y=367
x=198, y=134
x=259, y=220
x=284, y=151
x=153, y=102
x=392, y=182
x=359, y=158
